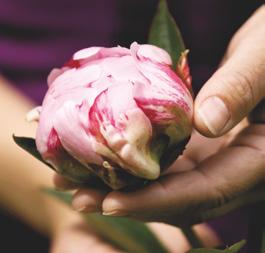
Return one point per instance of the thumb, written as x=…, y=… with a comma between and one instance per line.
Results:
x=230, y=94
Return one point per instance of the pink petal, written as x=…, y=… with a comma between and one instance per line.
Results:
x=152, y=53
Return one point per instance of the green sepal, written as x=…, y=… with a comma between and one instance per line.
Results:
x=165, y=33
x=29, y=145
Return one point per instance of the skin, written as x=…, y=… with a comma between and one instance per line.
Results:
x=215, y=171
x=21, y=177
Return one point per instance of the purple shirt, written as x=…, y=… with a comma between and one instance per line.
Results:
x=36, y=36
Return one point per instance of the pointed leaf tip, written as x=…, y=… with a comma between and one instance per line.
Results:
x=29, y=145
x=165, y=33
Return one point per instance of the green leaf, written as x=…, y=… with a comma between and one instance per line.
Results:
x=165, y=33
x=29, y=145
x=236, y=247
x=66, y=197
x=129, y=235
x=232, y=249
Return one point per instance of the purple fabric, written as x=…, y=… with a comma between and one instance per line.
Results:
x=36, y=36
x=233, y=227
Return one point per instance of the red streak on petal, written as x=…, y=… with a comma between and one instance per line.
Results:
x=101, y=115
x=54, y=144
x=58, y=156
x=96, y=118
x=158, y=111
x=177, y=80
x=73, y=64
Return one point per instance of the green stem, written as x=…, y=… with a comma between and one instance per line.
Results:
x=192, y=237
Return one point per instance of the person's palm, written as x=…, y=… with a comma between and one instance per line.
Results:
x=210, y=173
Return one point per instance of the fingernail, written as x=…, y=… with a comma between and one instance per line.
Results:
x=80, y=208
x=214, y=114
x=84, y=204
x=114, y=213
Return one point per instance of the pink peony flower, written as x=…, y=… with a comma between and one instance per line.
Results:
x=115, y=112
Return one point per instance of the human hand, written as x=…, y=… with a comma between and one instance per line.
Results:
x=238, y=85
x=212, y=171
x=79, y=238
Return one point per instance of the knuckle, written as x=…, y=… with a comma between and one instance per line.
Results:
x=222, y=196
x=240, y=89
x=243, y=88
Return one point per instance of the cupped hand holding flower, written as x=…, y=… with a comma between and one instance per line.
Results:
x=211, y=172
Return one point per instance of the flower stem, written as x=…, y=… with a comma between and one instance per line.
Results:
x=192, y=237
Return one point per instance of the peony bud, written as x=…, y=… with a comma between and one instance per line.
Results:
x=115, y=112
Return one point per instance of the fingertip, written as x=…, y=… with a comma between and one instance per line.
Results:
x=115, y=204
x=227, y=97
x=88, y=200
x=201, y=127
x=62, y=183
x=211, y=116
x=135, y=203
